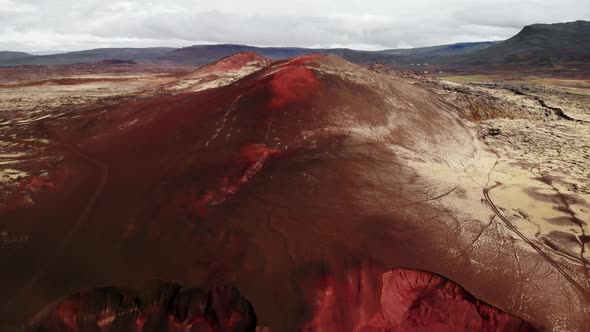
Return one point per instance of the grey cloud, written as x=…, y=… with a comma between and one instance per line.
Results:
x=37, y=25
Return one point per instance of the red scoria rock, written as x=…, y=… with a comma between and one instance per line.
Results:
x=422, y=301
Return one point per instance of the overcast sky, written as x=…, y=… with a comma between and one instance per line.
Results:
x=63, y=25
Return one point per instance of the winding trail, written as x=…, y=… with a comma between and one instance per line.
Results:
x=486, y=193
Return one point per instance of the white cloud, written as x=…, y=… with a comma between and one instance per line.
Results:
x=39, y=25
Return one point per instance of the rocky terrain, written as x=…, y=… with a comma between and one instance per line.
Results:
x=170, y=307
x=304, y=194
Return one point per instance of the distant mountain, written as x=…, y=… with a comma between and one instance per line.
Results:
x=203, y=54
x=6, y=56
x=88, y=56
x=537, y=45
x=443, y=50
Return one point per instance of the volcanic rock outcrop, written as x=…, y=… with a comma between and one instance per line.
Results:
x=299, y=185
x=167, y=307
x=410, y=301
x=219, y=73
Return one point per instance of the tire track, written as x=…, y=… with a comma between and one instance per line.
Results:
x=486, y=190
x=580, y=288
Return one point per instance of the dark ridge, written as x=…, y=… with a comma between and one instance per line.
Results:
x=537, y=45
x=88, y=56
x=118, y=62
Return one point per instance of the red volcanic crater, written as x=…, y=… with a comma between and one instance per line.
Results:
x=292, y=86
x=290, y=185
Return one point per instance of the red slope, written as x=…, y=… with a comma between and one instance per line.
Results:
x=410, y=301
x=274, y=184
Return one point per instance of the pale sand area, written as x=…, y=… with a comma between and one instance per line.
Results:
x=537, y=171
x=460, y=189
